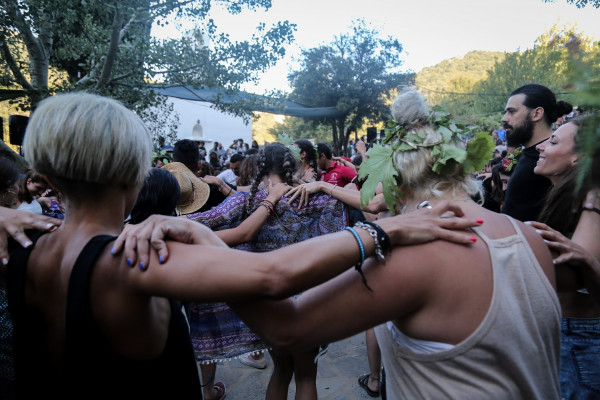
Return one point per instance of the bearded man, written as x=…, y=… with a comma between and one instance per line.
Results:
x=528, y=117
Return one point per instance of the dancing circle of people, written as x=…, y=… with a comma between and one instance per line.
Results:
x=473, y=270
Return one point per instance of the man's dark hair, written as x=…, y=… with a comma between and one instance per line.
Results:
x=540, y=96
x=236, y=158
x=323, y=148
x=186, y=152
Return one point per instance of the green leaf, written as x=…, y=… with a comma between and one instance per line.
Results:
x=445, y=132
x=447, y=158
x=480, y=150
x=379, y=167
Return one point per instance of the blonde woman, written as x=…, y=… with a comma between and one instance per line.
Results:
x=91, y=323
x=442, y=311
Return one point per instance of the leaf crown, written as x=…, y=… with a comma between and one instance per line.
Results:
x=379, y=165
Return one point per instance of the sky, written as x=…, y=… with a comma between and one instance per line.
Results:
x=429, y=30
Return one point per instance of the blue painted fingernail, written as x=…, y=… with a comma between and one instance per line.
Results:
x=160, y=259
x=142, y=266
x=129, y=262
x=112, y=251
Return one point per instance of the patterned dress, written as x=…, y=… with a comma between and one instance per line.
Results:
x=217, y=333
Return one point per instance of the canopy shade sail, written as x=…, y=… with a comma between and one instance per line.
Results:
x=255, y=102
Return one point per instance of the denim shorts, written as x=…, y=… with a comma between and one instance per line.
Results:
x=580, y=358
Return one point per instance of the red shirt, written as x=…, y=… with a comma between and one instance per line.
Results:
x=338, y=174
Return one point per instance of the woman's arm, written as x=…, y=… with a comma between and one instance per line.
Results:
x=575, y=265
x=13, y=224
x=253, y=224
x=223, y=186
x=344, y=162
x=350, y=197
x=587, y=231
x=208, y=272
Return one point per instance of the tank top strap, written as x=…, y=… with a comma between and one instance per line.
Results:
x=78, y=316
x=486, y=239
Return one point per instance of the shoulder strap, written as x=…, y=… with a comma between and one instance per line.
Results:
x=16, y=275
x=78, y=315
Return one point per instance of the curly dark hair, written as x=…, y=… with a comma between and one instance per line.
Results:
x=248, y=170
x=311, y=155
x=275, y=158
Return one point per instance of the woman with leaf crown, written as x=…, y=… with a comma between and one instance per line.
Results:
x=442, y=310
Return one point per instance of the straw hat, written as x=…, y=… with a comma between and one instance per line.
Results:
x=194, y=192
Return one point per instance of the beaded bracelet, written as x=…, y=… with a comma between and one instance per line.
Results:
x=384, y=243
x=590, y=208
x=358, y=266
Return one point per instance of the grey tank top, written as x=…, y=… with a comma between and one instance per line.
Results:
x=513, y=354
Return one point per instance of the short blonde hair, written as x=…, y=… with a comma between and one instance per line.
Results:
x=86, y=137
x=415, y=168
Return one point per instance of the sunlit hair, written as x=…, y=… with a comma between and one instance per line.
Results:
x=415, y=168
x=88, y=138
x=35, y=177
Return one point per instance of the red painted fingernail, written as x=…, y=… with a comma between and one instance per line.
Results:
x=479, y=221
x=473, y=239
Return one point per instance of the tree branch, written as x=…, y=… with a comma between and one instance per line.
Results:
x=112, y=50
x=12, y=64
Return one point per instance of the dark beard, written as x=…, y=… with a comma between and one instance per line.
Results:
x=519, y=134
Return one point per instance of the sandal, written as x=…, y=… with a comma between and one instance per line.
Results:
x=220, y=388
x=363, y=381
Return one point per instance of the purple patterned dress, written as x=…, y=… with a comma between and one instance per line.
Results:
x=217, y=333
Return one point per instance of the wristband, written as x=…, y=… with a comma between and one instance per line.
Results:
x=383, y=240
x=358, y=266
x=590, y=208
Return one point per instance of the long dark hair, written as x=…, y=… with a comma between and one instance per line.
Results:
x=248, y=170
x=24, y=195
x=561, y=209
x=275, y=158
x=159, y=195
x=497, y=192
x=311, y=155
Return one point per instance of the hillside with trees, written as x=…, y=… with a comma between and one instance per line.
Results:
x=456, y=75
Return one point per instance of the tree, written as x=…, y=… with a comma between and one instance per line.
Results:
x=105, y=46
x=354, y=73
x=301, y=128
x=580, y=3
x=548, y=63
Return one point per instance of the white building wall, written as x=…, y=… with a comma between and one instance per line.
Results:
x=216, y=125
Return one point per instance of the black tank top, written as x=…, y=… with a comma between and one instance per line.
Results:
x=90, y=367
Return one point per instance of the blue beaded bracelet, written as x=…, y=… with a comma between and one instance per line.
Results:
x=358, y=266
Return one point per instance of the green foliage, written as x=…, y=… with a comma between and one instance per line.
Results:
x=580, y=3
x=443, y=83
x=106, y=47
x=300, y=128
x=353, y=73
x=547, y=63
x=476, y=87
x=379, y=166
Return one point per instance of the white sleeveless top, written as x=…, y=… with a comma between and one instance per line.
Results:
x=513, y=354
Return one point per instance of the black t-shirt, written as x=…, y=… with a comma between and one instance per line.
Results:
x=526, y=191
x=215, y=197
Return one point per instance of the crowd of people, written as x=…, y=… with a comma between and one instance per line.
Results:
x=136, y=274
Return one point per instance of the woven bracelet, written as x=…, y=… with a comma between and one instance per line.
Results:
x=358, y=266
x=588, y=208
